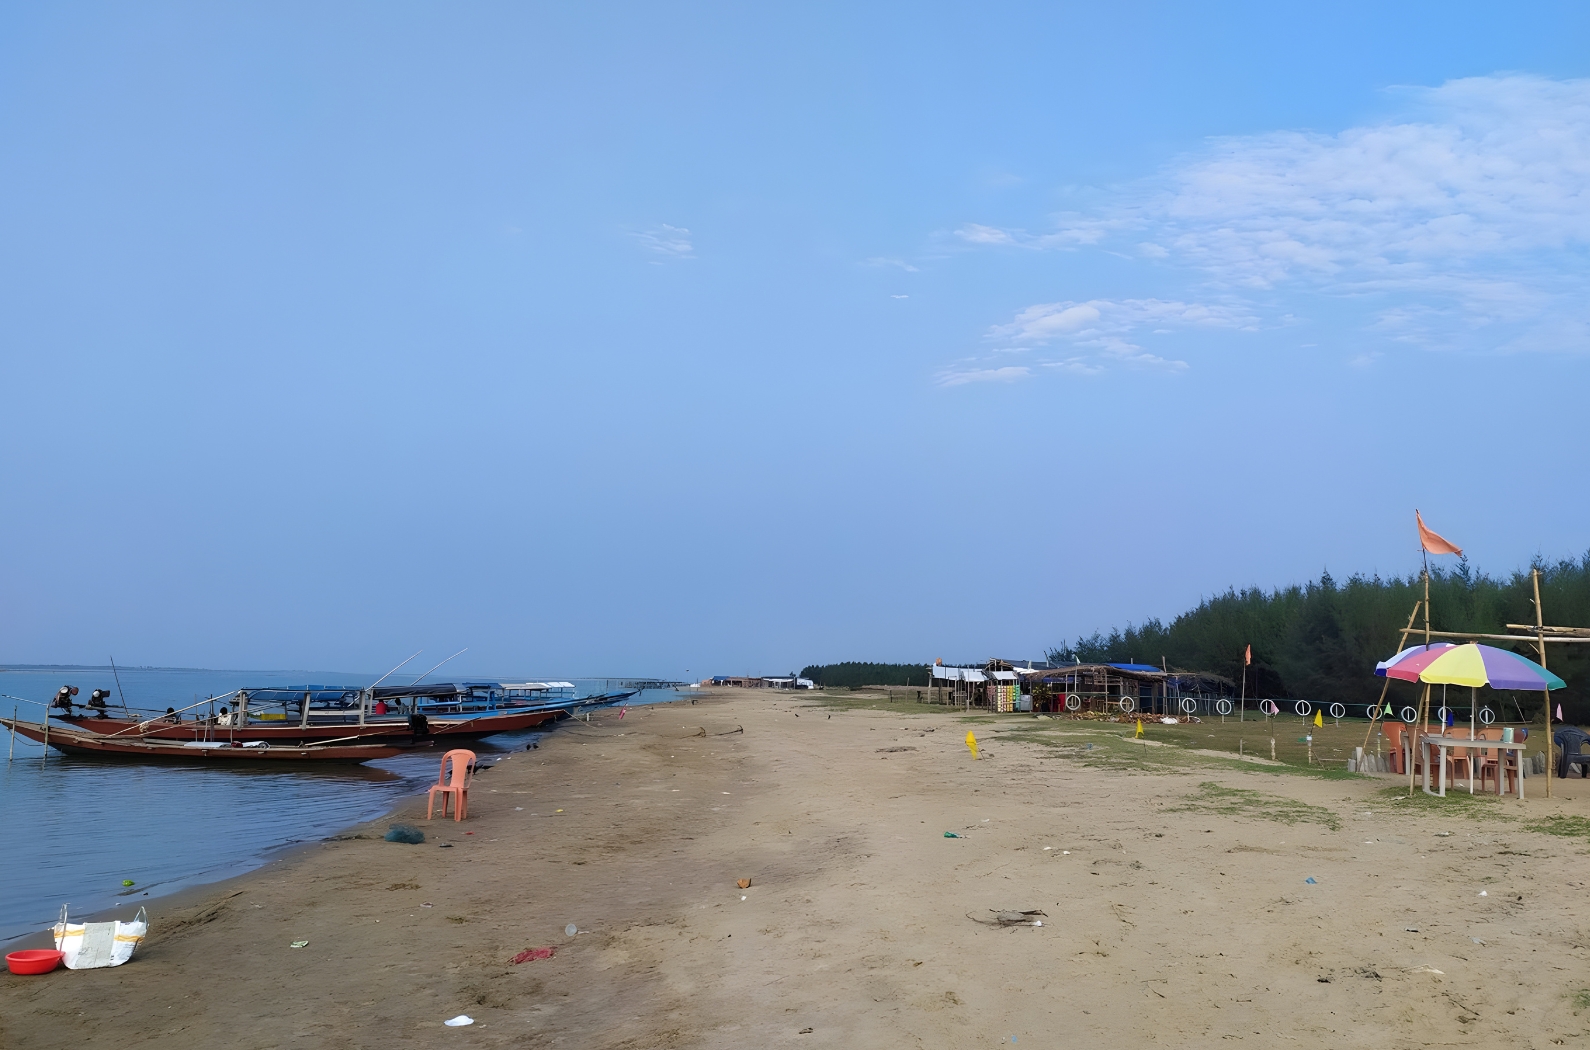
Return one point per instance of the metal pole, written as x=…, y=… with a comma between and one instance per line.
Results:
x=12, y=749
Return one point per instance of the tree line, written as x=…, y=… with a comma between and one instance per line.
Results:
x=1319, y=641
x=855, y=673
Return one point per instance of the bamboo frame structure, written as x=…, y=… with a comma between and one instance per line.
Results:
x=1543, y=636
x=1423, y=720
x=1540, y=634
x=1374, y=718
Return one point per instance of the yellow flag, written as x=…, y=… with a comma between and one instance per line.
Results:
x=1319, y=719
x=1139, y=728
x=971, y=744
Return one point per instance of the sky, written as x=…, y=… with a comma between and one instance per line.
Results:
x=612, y=339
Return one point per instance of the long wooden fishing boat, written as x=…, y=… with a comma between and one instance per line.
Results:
x=72, y=741
x=289, y=732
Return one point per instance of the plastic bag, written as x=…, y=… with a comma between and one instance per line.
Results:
x=89, y=945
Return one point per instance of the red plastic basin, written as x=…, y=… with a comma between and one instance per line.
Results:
x=36, y=960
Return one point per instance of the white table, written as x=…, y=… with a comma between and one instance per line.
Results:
x=1441, y=744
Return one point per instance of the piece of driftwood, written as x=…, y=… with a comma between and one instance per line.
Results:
x=702, y=731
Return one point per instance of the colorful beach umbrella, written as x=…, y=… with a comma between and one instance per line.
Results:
x=1412, y=650
x=1471, y=665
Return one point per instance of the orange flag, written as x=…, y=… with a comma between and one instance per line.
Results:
x=1247, y=656
x=1434, y=542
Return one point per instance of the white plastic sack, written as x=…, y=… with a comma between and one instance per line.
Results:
x=89, y=945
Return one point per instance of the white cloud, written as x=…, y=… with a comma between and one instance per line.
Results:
x=1092, y=337
x=961, y=376
x=1463, y=222
x=976, y=234
x=1497, y=171
x=670, y=242
x=901, y=263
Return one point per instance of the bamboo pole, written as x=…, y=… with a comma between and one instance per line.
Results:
x=151, y=721
x=1540, y=619
x=1242, y=710
x=1401, y=644
x=1424, y=715
x=1549, y=639
x=1583, y=631
x=13, y=748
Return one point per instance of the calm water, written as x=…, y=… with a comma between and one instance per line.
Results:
x=75, y=828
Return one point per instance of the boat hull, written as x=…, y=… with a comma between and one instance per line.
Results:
x=288, y=733
x=76, y=742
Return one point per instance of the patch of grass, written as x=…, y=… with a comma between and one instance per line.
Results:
x=1241, y=802
x=1581, y=999
x=1568, y=827
x=867, y=702
x=1455, y=804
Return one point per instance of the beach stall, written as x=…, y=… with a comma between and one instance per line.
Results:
x=1473, y=749
x=1124, y=689
x=964, y=686
x=1099, y=688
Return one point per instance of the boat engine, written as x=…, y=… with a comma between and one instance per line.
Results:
x=63, y=699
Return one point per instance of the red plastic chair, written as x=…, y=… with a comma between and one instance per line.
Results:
x=452, y=783
x=1498, y=766
x=1395, y=742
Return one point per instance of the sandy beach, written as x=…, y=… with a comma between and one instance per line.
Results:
x=1174, y=886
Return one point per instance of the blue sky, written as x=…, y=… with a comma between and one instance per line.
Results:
x=613, y=339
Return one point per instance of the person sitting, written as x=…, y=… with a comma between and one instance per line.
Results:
x=223, y=719
x=171, y=715
x=380, y=707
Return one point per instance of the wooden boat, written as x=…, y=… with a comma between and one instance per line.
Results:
x=288, y=732
x=73, y=741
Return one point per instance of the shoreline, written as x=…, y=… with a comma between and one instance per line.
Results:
x=242, y=863
x=1174, y=888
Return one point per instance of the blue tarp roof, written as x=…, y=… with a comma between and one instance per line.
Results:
x=1135, y=667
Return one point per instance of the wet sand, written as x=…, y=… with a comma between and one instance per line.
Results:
x=1176, y=914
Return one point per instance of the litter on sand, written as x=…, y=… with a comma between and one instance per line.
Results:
x=1312, y=881
x=458, y=1022
x=744, y=884
x=299, y=944
x=1030, y=917
x=1484, y=894
x=571, y=929
x=951, y=835
x=533, y=954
